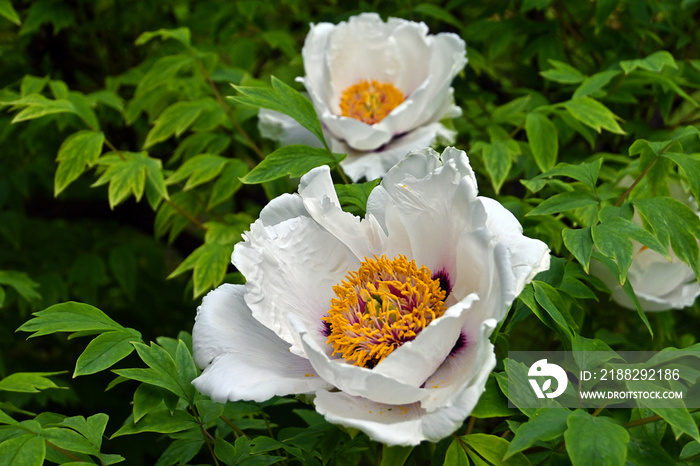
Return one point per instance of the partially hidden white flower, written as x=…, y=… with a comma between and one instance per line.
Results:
x=385, y=319
x=380, y=90
x=659, y=284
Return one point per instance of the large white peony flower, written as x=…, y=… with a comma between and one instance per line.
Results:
x=380, y=90
x=659, y=284
x=385, y=319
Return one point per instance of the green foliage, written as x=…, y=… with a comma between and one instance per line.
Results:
x=131, y=164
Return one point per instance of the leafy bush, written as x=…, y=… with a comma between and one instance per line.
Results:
x=128, y=172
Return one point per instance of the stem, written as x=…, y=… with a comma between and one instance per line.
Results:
x=470, y=425
x=62, y=451
x=234, y=427
x=207, y=440
x=185, y=214
x=342, y=174
x=227, y=109
x=639, y=178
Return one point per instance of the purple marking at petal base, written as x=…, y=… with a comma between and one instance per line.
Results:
x=460, y=344
x=444, y=278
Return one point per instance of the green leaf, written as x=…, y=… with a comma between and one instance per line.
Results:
x=580, y=243
x=595, y=440
x=562, y=202
x=78, y=152
x=492, y=403
x=674, y=221
x=547, y=296
x=677, y=417
x=654, y=62
x=615, y=246
x=106, y=350
x=294, y=161
x=92, y=428
x=592, y=113
x=434, y=11
x=690, y=164
x=562, y=73
x=70, y=440
x=127, y=174
x=647, y=452
x=160, y=421
x=28, y=382
x=181, y=451
x=544, y=143
x=394, y=456
x=603, y=9
x=9, y=13
x=493, y=449
x=498, y=158
x=284, y=99
x=181, y=35
x=353, y=197
x=545, y=425
x=198, y=170
x=25, y=450
x=69, y=317
x=38, y=106
x=175, y=120
x=228, y=183
x=592, y=84
x=455, y=455
x=21, y=283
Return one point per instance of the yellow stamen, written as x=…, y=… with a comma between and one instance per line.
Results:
x=381, y=306
x=370, y=101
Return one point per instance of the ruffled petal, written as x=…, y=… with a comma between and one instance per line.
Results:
x=407, y=424
x=242, y=359
x=290, y=268
x=354, y=380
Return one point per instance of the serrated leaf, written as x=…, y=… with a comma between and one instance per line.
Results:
x=654, y=62
x=294, y=161
x=77, y=153
x=544, y=142
x=595, y=440
x=127, y=173
x=91, y=428
x=105, y=350
x=69, y=317
x=284, y=99
x=562, y=202
x=585, y=172
x=562, y=73
x=580, y=243
x=9, y=13
x=162, y=363
x=594, y=114
x=28, y=382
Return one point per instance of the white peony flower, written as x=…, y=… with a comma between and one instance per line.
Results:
x=659, y=284
x=385, y=319
x=380, y=90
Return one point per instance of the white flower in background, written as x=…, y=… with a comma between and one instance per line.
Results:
x=380, y=90
x=386, y=319
x=659, y=284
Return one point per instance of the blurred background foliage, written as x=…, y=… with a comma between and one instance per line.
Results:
x=120, y=160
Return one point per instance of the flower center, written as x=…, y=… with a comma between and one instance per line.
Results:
x=370, y=101
x=381, y=306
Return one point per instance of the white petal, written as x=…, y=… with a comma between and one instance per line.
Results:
x=403, y=424
x=244, y=360
x=429, y=349
x=280, y=127
x=290, y=268
x=375, y=164
x=355, y=380
x=465, y=367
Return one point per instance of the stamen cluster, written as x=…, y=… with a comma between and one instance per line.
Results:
x=370, y=101
x=381, y=306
